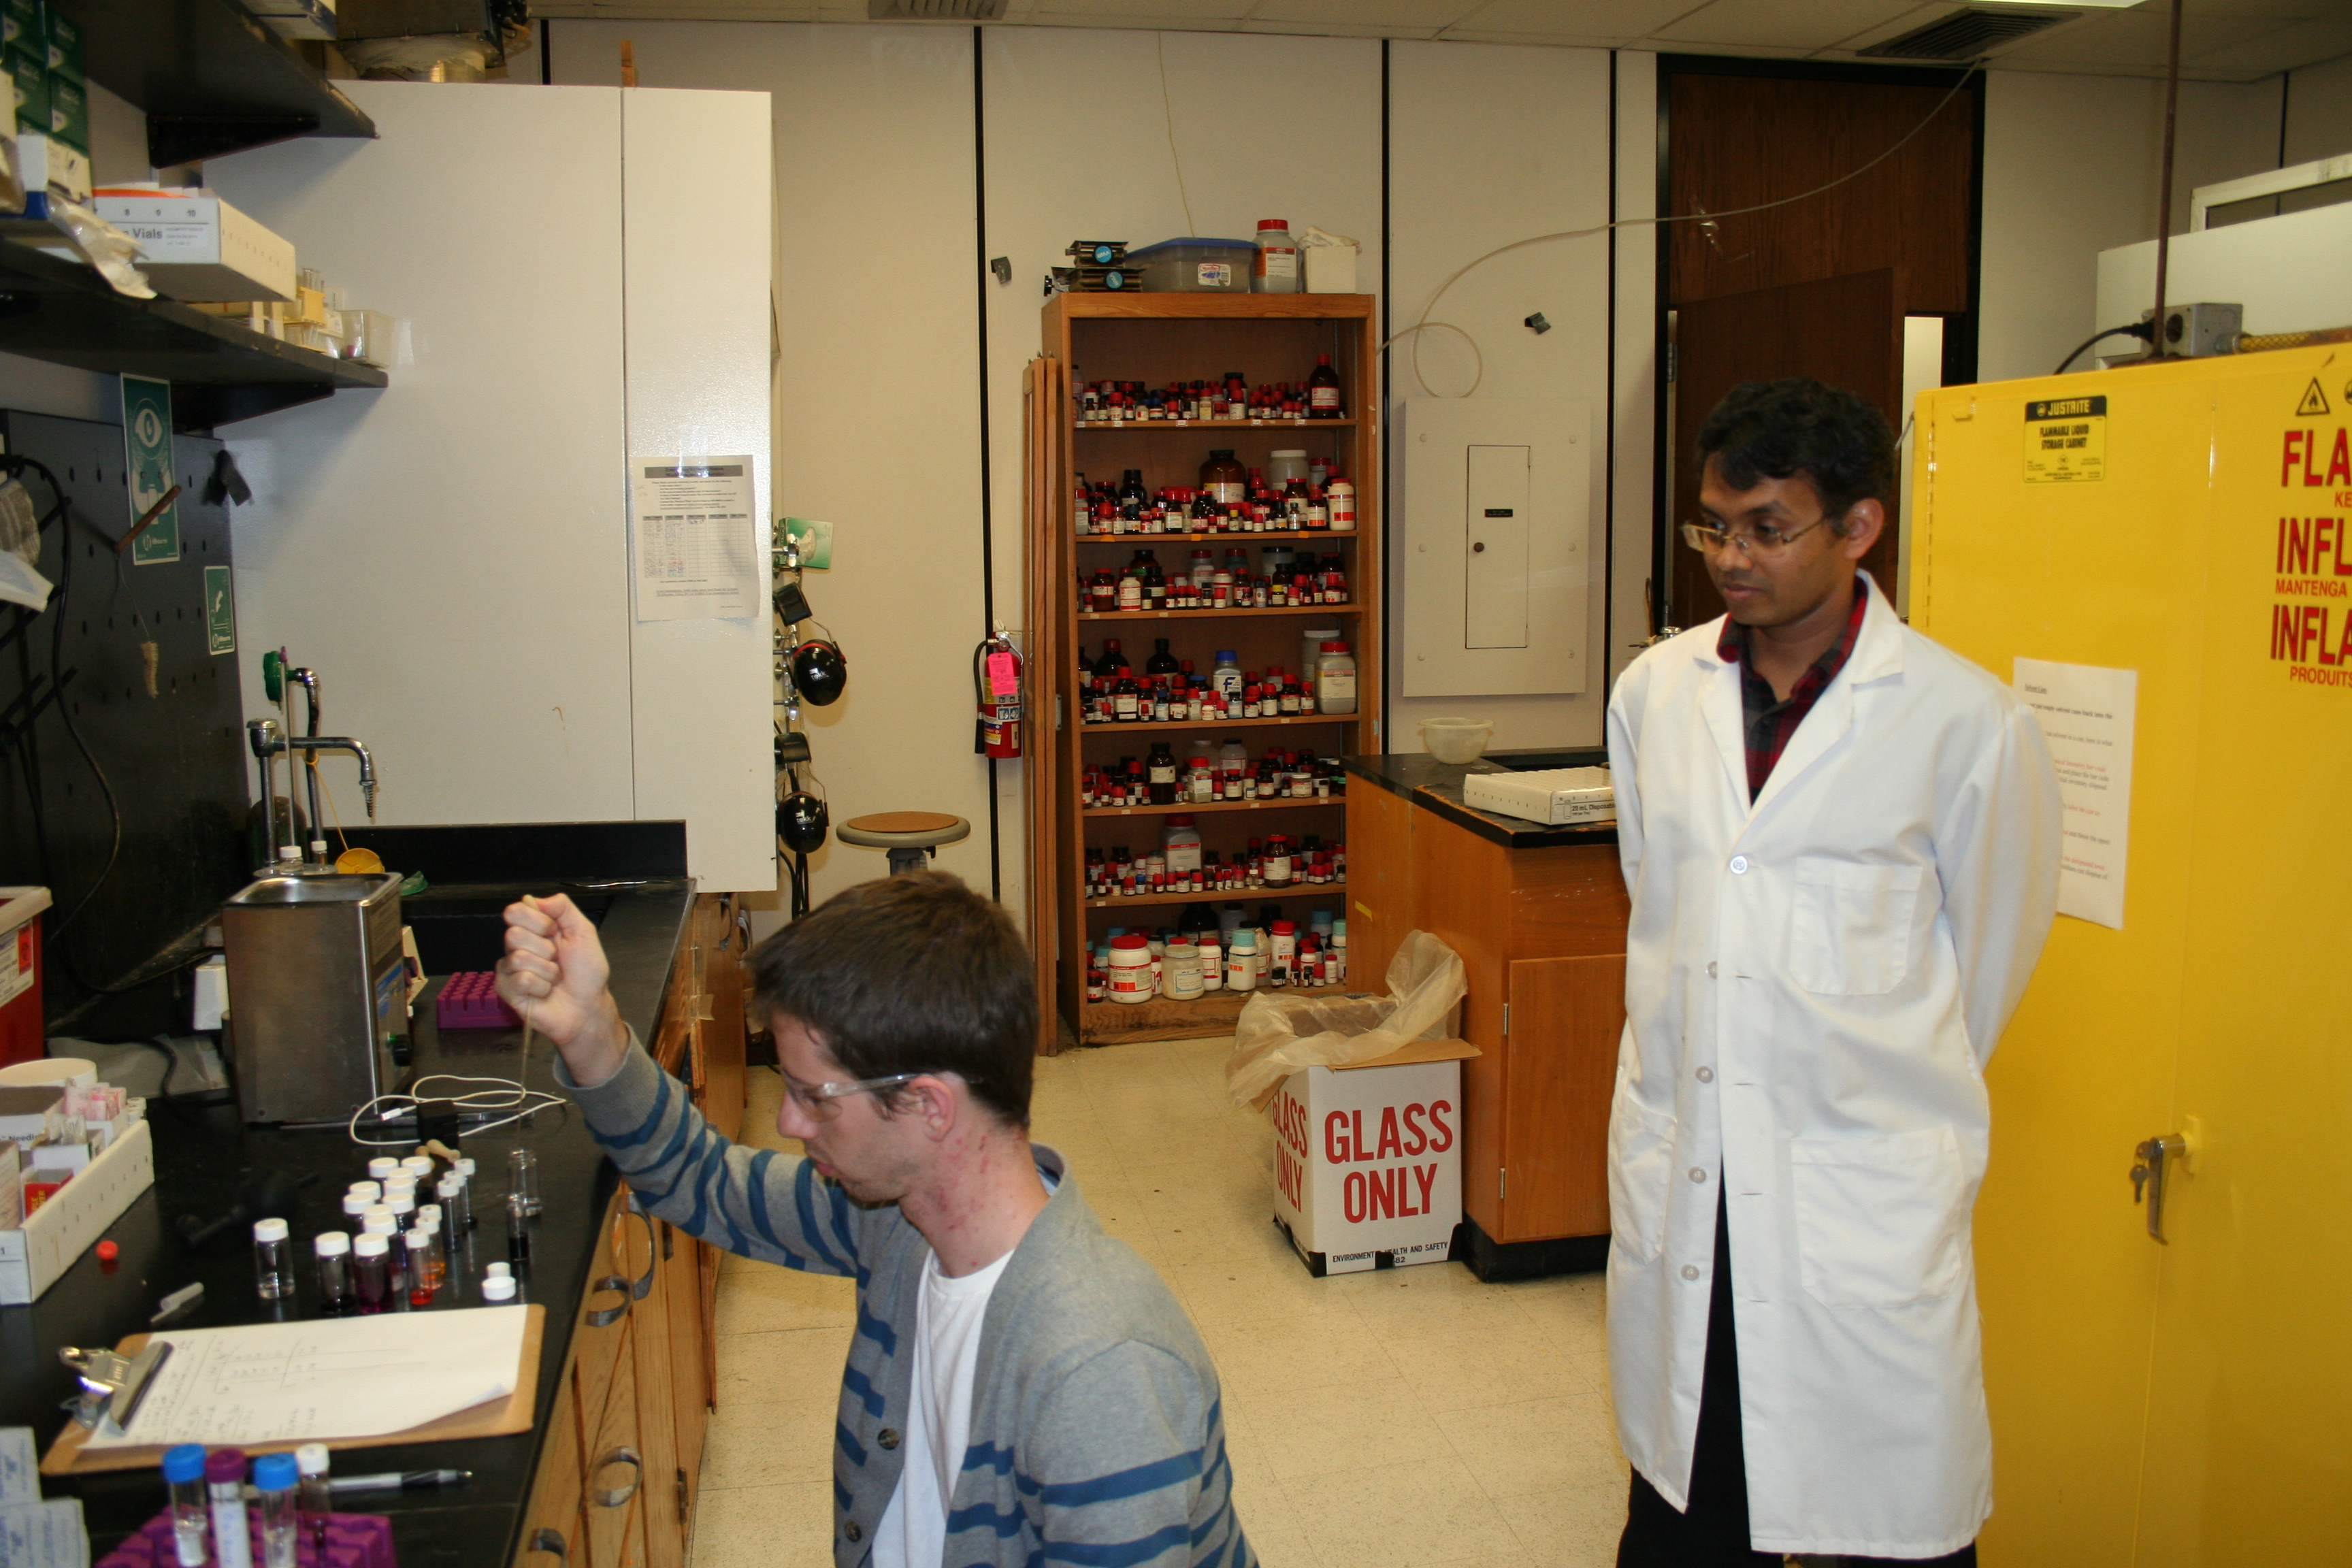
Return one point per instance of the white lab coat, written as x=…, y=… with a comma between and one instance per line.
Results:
x=1812, y=986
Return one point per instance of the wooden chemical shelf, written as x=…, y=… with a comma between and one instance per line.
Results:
x=1220, y=615
x=1225, y=895
x=1156, y=339
x=1182, y=808
x=1229, y=535
x=1217, y=425
x=1218, y=724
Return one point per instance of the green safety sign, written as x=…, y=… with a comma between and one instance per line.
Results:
x=220, y=611
x=147, y=462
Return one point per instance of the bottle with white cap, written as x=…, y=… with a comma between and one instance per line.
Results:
x=273, y=1260
x=333, y=1249
x=372, y=1191
x=371, y=1271
x=380, y=1167
x=318, y=1500
x=498, y=1289
x=418, y=1244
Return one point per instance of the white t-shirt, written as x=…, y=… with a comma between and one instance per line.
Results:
x=948, y=1316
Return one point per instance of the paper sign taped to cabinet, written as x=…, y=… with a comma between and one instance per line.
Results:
x=2086, y=714
x=693, y=535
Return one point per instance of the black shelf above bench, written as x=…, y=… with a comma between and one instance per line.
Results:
x=211, y=80
x=220, y=371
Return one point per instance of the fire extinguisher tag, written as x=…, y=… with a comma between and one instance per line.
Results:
x=1003, y=675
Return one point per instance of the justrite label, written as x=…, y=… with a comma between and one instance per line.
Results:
x=2066, y=440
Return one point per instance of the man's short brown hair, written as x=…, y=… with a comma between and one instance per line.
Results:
x=907, y=975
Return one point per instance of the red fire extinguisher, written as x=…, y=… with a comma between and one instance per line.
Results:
x=996, y=681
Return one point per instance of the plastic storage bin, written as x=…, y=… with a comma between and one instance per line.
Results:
x=1192, y=266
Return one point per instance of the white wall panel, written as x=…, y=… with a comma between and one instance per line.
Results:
x=436, y=551
x=1488, y=144
x=1636, y=392
x=1076, y=149
x=875, y=403
x=2071, y=168
x=697, y=256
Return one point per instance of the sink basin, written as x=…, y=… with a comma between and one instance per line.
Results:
x=278, y=891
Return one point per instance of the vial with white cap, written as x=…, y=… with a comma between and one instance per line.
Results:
x=356, y=1205
x=333, y=1248
x=419, y=1166
x=380, y=1167
x=273, y=1260
x=454, y=1203
x=418, y=1244
x=372, y=1191
x=317, y=1500
x=184, y=1469
x=371, y=1271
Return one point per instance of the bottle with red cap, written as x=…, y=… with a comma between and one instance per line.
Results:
x=1275, y=268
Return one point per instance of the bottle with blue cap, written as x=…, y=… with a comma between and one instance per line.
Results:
x=183, y=1471
x=278, y=1478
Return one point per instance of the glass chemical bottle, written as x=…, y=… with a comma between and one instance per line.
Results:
x=183, y=1469
x=317, y=1497
x=1225, y=480
x=1162, y=773
x=1162, y=661
x=273, y=1260
x=418, y=1243
x=333, y=1249
x=224, y=1487
x=371, y=1271
x=1323, y=391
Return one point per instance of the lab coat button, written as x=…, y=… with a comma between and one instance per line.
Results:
x=1706, y=1075
x=855, y=1531
x=887, y=1436
x=1710, y=969
x=1698, y=1174
x=1690, y=1271
x=1739, y=865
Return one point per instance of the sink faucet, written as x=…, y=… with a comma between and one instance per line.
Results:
x=267, y=741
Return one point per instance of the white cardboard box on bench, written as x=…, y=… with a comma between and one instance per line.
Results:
x=1367, y=1158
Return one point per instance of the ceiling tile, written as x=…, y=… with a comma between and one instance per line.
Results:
x=1121, y=12
x=1546, y=40
x=2295, y=45
x=1333, y=30
x=1782, y=24
x=1160, y=19
x=1539, y=20
x=2135, y=39
x=1422, y=16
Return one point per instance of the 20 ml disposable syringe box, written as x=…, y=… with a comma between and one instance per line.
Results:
x=1367, y=1158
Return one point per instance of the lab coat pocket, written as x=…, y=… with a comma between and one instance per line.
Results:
x=1881, y=1221
x=1641, y=1167
x=1850, y=927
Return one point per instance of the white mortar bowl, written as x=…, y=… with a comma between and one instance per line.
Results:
x=1456, y=740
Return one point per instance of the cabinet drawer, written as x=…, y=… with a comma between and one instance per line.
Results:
x=616, y=1470
x=551, y=1527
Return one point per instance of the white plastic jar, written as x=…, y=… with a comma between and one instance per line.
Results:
x=1181, y=844
x=1241, y=962
x=1131, y=968
x=1182, y=966
x=1288, y=464
x=1335, y=679
x=1275, y=269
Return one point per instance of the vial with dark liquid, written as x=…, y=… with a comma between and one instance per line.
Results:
x=517, y=1227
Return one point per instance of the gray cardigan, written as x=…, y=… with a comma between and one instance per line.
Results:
x=1098, y=1435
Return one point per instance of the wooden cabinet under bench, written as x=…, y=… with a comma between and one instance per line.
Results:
x=621, y=1461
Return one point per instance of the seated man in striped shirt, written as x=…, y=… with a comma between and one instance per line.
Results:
x=1022, y=1388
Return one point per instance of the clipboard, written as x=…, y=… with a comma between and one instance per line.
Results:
x=491, y=1418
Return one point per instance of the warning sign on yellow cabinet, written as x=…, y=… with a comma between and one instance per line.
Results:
x=2066, y=440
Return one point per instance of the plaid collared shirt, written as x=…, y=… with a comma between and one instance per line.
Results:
x=1771, y=720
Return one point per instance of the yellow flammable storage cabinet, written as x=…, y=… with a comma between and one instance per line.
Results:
x=2186, y=1401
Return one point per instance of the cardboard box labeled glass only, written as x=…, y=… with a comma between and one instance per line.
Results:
x=1368, y=1159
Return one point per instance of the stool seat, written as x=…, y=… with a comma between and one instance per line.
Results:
x=904, y=829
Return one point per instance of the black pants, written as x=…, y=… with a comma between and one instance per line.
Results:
x=1714, y=1532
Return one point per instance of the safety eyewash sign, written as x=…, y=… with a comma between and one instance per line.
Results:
x=2066, y=441
x=2311, y=606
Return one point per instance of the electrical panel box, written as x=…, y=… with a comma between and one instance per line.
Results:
x=1495, y=577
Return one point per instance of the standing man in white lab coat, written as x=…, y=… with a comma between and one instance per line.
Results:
x=1841, y=842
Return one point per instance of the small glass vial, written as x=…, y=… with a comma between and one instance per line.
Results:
x=372, y=1191
x=465, y=1171
x=225, y=1487
x=333, y=1248
x=380, y=1167
x=419, y=1166
x=517, y=1227
x=277, y=1477
x=371, y=1271
x=355, y=1208
x=523, y=1178
x=437, y=1254
x=455, y=1203
x=317, y=1500
x=184, y=1469
x=273, y=1260
x=402, y=1207
x=417, y=1244
x=499, y=1289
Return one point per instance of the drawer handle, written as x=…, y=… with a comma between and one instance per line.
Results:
x=606, y=1316
x=643, y=1286
x=548, y=1541
x=614, y=1497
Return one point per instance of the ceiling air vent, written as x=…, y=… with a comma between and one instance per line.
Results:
x=934, y=10
x=1962, y=36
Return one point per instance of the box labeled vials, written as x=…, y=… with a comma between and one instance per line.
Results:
x=195, y=245
x=1557, y=798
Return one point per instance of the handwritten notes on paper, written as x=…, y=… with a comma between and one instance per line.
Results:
x=337, y=1377
x=2086, y=714
x=695, y=540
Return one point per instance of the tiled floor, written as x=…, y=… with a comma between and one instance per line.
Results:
x=1376, y=1420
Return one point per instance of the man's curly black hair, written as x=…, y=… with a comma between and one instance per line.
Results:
x=1779, y=430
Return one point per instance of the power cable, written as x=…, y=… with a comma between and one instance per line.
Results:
x=2144, y=330
x=1423, y=321
x=1168, y=118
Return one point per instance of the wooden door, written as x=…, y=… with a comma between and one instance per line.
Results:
x=551, y=1534
x=664, y=1351
x=616, y=1474
x=1566, y=1017
x=1845, y=332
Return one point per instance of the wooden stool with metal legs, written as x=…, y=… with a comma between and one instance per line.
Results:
x=910, y=836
